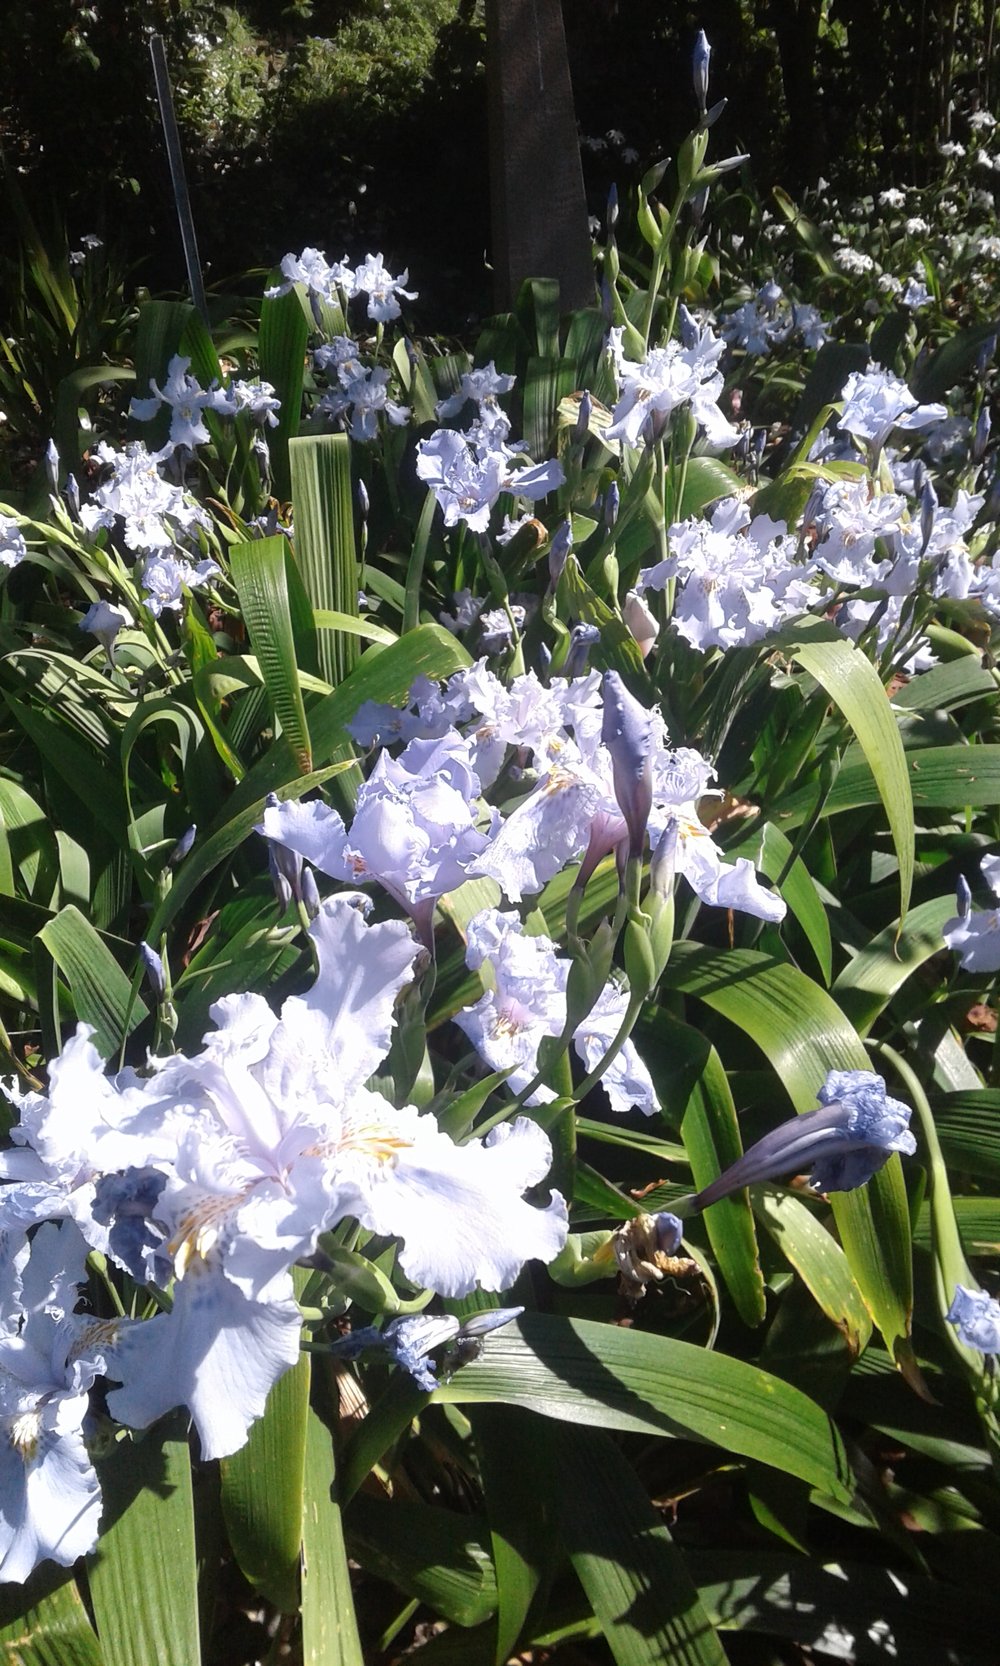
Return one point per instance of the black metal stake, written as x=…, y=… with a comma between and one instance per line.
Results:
x=178, y=179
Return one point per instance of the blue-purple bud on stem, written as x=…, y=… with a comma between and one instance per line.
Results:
x=699, y=70
x=626, y=732
x=848, y=1139
x=183, y=846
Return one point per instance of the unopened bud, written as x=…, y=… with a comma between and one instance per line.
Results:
x=928, y=510
x=581, y=640
x=582, y=425
x=689, y=326
x=71, y=497
x=963, y=896
x=612, y=503
x=980, y=439
x=663, y=862
x=154, y=970
x=310, y=893
x=559, y=549
x=52, y=465
x=363, y=500
x=183, y=846
x=612, y=209
x=640, y=623
x=699, y=70
x=626, y=731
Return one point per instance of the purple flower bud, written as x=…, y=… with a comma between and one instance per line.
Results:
x=711, y=116
x=689, y=326
x=928, y=509
x=51, y=455
x=482, y=1323
x=71, y=497
x=310, y=893
x=582, y=426
x=581, y=640
x=663, y=861
x=844, y=1143
x=964, y=897
x=559, y=549
x=612, y=502
x=984, y=357
x=626, y=732
x=612, y=209
x=183, y=846
x=154, y=970
x=698, y=205
x=699, y=70
x=980, y=439
x=607, y=303
x=363, y=501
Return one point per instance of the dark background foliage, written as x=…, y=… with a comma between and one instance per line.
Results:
x=361, y=123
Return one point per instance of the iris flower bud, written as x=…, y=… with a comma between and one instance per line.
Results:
x=699, y=70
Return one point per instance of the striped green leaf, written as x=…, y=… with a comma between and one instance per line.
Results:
x=262, y=1491
x=259, y=575
x=577, y=1371
x=144, y=1573
x=324, y=538
x=102, y=994
x=329, y=1626
x=281, y=353
x=854, y=686
x=633, y=1574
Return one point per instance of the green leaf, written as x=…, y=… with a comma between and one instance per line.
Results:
x=818, y=1259
x=102, y=994
x=324, y=538
x=634, y=1576
x=706, y=480
x=144, y=1573
x=809, y=233
x=520, y=1501
x=47, y=1627
x=952, y=360
x=281, y=353
x=538, y=304
x=940, y=777
x=869, y=981
x=432, y=1554
x=944, y=687
x=968, y=1125
x=697, y=1091
x=547, y=381
x=259, y=575
x=29, y=843
x=262, y=1491
x=329, y=1626
x=602, y=1376
x=367, y=628
x=854, y=686
x=804, y=1035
